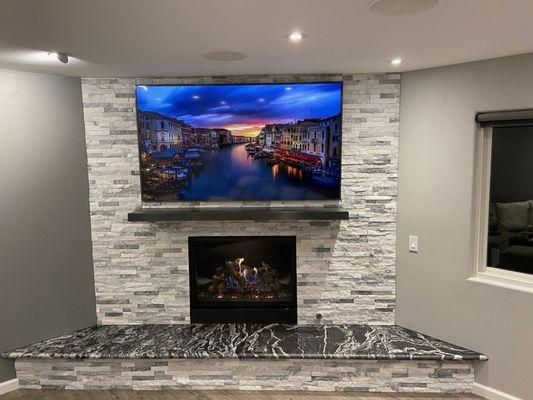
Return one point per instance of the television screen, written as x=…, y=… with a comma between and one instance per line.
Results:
x=240, y=142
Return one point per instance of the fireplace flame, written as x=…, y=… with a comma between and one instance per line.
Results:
x=239, y=262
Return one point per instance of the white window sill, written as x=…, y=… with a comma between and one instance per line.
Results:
x=504, y=279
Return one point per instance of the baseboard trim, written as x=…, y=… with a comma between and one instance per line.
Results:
x=491, y=393
x=9, y=386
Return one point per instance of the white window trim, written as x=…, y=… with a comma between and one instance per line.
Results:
x=480, y=272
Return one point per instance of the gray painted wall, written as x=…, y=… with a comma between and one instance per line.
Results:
x=436, y=166
x=46, y=274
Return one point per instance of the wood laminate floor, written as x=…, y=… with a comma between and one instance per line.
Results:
x=25, y=394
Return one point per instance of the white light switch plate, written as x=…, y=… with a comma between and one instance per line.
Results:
x=413, y=244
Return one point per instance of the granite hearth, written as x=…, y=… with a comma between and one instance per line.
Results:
x=247, y=356
x=360, y=342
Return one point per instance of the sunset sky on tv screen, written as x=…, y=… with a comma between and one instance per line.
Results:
x=243, y=109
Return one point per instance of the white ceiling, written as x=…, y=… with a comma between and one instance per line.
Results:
x=168, y=37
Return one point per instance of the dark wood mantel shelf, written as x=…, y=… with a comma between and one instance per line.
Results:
x=239, y=214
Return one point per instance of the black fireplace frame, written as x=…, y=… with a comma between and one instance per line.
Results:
x=242, y=312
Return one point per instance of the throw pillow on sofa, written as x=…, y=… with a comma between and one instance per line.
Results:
x=493, y=217
x=513, y=216
x=530, y=217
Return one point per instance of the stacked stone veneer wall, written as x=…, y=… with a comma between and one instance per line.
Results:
x=324, y=375
x=346, y=270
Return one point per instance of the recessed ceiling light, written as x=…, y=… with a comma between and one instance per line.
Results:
x=295, y=36
x=396, y=61
x=224, y=56
x=401, y=7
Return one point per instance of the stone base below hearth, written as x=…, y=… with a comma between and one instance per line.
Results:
x=249, y=374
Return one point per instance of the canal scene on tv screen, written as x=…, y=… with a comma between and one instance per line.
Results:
x=240, y=142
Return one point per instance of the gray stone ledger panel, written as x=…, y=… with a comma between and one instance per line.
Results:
x=345, y=269
x=292, y=374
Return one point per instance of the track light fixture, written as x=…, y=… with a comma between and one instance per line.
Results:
x=61, y=57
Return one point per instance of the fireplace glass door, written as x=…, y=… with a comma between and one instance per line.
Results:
x=243, y=279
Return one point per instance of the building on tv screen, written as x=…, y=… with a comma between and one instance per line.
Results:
x=240, y=142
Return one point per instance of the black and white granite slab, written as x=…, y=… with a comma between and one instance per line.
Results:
x=245, y=341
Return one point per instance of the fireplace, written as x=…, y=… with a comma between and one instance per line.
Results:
x=243, y=279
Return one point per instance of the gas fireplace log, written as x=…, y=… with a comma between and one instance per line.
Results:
x=232, y=269
x=237, y=279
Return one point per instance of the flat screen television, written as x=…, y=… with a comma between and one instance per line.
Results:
x=237, y=142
